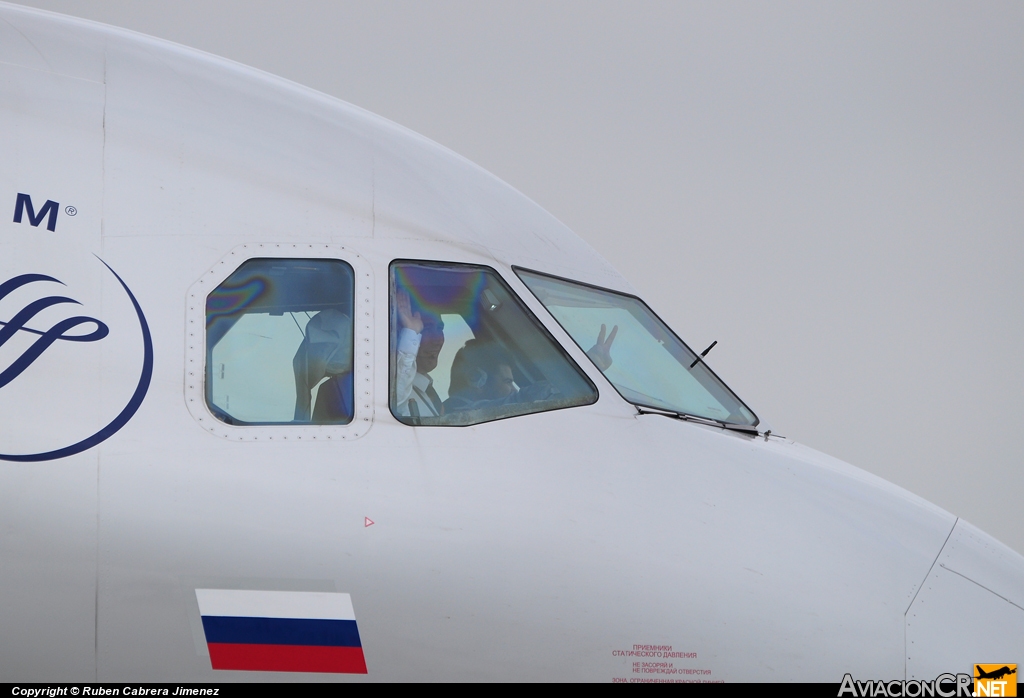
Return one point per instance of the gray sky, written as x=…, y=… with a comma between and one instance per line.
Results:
x=834, y=192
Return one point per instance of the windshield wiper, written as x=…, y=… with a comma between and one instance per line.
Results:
x=744, y=428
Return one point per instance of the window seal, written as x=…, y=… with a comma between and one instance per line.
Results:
x=682, y=415
x=362, y=358
x=523, y=306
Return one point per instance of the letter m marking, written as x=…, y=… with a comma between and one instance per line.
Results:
x=50, y=207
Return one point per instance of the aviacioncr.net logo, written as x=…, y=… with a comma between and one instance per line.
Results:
x=943, y=686
x=995, y=680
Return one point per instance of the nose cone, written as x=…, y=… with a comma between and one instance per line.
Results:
x=970, y=610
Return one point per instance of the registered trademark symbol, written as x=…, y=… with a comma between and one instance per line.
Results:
x=70, y=210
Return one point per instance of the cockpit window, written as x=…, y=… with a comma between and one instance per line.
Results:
x=638, y=353
x=465, y=350
x=279, y=343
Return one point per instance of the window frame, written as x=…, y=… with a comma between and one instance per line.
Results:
x=362, y=353
x=729, y=425
x=523, y=305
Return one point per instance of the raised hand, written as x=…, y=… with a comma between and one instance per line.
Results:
x=406, y=318
x=601, y=352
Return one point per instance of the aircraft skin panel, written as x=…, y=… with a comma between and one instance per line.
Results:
x=48, y=601
x=221, y=124
x=971, y=604
x=501, y=598
x=972, y=553
x=227, y=160
x=52, y=43
x=566, y=544
x=52, y=149
x=954, y=619
x=420, y=196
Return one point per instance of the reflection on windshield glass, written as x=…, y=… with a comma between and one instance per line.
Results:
x=636, y=351
x=465, y=350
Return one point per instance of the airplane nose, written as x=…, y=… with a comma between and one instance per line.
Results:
x=970, y=609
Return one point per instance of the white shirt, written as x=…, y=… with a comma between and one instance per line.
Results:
x=410, y=385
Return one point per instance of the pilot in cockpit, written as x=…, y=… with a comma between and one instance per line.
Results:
x=420, y=339
x=325, y=353
x=506, y=364
x=481, y=378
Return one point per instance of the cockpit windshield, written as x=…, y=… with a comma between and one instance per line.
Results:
x=638, y=353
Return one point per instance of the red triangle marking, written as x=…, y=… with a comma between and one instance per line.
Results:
x=367, y=521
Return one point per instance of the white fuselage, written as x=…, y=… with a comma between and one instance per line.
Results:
x=547, y=546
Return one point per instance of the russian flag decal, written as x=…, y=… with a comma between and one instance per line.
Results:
x=249, y=630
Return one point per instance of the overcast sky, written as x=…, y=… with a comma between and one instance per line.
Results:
x=834, y=192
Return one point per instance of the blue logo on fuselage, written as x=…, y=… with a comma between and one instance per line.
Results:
x=60, y=332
